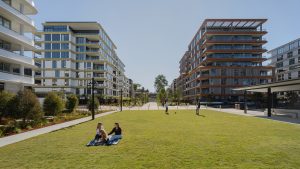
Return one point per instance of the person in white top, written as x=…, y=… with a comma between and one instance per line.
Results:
x=98, y=131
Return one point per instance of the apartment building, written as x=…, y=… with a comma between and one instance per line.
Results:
x=16, y=44
x=72, y=54
x=224, y=54
x=286, y=60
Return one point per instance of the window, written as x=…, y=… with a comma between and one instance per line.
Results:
x=47, y=37
x=63, y=64
x=80, y=49
x=88, y=65
x=1, y=86
x=59, y=28
x=5, y=45
x=298, y=74
x=54, y=64
x=27, y=72
x=55, y=46
x=65, y=37
x=299, y=49
x=66, y=82
x=54, y=81
x=64, y=46
x=57, y=73
x=298, y=59
x=5, y=22
x=55, y=37
x=289, y=75
x=47, y=54
x=5, y=67
x=48, y=46
x=55, y=55
x=16, y=70
x=280, y=64
x=292, y=61
x=290, y=54
x=64, y=54
x=66, y=74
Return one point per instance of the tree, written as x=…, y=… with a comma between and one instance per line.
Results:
x=53, y=104
x=90, y=104
x=5, y=97
x=25, y=105
x=161, y=96
x=292, y=98
x=160, y=83
x=72, y=102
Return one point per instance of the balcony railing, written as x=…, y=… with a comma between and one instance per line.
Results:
x=16, y=12
x=16, y=35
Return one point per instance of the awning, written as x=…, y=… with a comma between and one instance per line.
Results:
x=289, y=85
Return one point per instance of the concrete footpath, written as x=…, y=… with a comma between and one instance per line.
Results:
x=23, y=136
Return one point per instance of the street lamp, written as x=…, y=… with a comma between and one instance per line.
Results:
x=121, y=100
x=93, y=96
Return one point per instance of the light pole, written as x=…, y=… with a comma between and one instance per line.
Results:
x=93, y=97
x=121, y=100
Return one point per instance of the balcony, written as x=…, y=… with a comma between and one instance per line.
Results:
x=11, y=11
x=16, y=58
x=16, y=78
x=10, y=34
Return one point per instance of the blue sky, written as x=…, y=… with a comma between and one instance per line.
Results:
x=152, y=35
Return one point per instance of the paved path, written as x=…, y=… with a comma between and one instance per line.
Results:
x=23, y=136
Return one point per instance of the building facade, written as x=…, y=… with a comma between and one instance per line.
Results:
x=75, y=52
x=16, y=44
x=286, y=60
x=224, y=54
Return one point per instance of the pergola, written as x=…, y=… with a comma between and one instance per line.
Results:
x=235, y=23
x=270, y=88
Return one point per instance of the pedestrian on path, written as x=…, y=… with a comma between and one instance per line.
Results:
x=198, y=108
x=167, y=108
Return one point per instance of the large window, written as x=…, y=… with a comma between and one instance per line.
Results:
x=55, y=37
x=5, y=45
x=292, y=61
x=48, y=46
x=55, y=46
x=56, y=28
x=65, y=46
x=290, y=54
x=55, y=55
x=47, y=37
x=27, y=72
x=47, y=54
x=80, y=40
x=280, y=64
x=5, y=22
x=57, y=73
x=65, y=37
x=54, y=64
x=63, y=64
x=64, y=54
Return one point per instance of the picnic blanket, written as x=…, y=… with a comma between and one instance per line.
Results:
x=98, y=143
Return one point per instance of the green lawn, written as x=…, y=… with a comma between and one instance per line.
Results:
x=155, y=140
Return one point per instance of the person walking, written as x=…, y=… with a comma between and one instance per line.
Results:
x=167, y=108
x=198, y=108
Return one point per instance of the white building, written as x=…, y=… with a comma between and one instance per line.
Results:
x=16, y=28
x=286, y=60
x=72, y=54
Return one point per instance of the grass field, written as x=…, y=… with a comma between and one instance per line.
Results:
x=155, y=140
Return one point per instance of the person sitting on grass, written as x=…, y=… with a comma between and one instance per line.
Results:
x=98, y=135
x=103, y=138
x=117, y=135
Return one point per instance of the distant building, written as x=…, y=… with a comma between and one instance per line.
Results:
x=16, y=64
x=224, y=54
x=286, y=60
x=75, y=52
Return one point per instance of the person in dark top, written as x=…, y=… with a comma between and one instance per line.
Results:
x=117, y=131
x=198, y=108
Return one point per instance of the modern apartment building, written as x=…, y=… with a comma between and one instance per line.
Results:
x=224, y=54
x=286, y=60
x=75, y=52
x=16, y=28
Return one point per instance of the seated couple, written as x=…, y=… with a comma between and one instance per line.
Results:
x=102, y=138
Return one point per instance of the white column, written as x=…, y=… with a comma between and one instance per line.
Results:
x=21, y=70
x=21, y=29
x=22, y=50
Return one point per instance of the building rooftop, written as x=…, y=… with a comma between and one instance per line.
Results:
x=237, y=23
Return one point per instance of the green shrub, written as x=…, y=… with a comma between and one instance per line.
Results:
x=90, y=104
x=25, y=106
x=53, y=104
x=72, y=102
x=5, y=97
